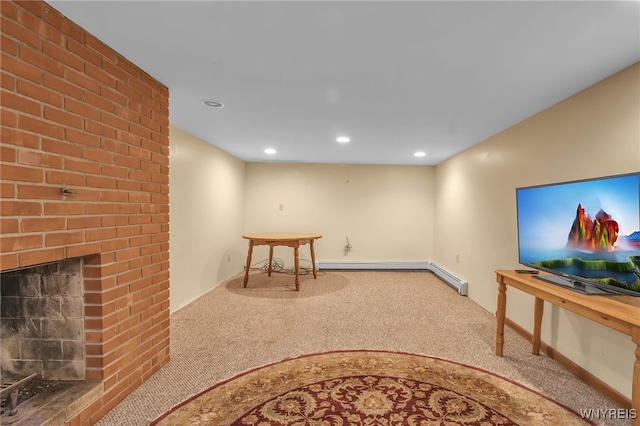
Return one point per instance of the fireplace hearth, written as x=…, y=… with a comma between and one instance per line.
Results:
x=49, y=402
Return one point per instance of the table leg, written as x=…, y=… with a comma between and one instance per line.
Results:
x=246, y=271
x=297, y=266
x=313, y=259
x=270, y=260
x=537, y=325
x=635, y=383
x=500, y=315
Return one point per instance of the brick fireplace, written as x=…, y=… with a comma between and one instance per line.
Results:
x=84, y=175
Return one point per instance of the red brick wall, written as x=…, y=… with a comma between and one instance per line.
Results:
x=77, y=115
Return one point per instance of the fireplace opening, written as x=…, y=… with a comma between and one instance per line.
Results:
x=42, y=321
x=42, y=350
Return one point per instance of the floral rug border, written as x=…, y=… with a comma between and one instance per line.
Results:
x=365, y=351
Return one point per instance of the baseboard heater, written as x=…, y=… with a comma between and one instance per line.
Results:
x=456, y=282
x=389, y=266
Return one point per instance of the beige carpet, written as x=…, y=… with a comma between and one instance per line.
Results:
x=231, y=330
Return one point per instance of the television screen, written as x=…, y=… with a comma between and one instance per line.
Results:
x=586, y=234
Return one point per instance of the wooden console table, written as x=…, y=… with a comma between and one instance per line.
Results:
x=280, y=239
x=621, y=313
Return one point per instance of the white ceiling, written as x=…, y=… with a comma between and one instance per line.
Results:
x=396, y=77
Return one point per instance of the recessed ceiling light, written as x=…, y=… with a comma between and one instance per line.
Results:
x=420, y=154
x=270, y=151
x=343, y=139
x=212, y=104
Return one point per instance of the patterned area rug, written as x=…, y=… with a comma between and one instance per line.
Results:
x=368, y=388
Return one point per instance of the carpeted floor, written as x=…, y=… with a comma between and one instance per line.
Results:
x=231, y=330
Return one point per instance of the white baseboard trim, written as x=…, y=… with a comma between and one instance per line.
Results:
x=364, y=265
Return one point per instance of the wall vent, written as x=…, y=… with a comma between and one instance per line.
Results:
x=456, y=282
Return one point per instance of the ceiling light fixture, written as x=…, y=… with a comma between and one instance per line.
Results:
x=212, y=104
x=342, y=139
x=270, y=151
x=420, y=154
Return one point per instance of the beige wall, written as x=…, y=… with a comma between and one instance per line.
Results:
x=386, y=212
x=594, y=133
x=205, y=212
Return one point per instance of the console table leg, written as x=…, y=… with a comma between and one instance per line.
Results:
x=635, y=383
x=270, y=260
x=246, y=271
x=500, y=315
x=537, y=325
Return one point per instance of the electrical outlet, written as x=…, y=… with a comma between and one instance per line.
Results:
x=457, y=258
x=280, y=207
x=228, y=258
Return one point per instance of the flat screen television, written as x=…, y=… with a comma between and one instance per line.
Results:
x=585, y=234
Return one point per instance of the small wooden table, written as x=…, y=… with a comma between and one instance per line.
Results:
x=294, y=240
x=620, y=313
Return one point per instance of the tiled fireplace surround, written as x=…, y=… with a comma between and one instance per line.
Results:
x=84, y=174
